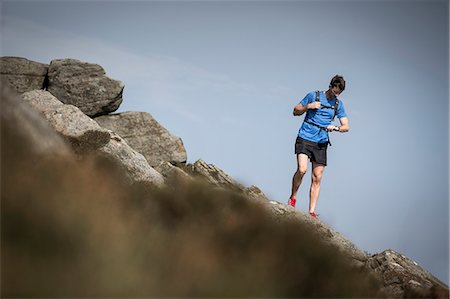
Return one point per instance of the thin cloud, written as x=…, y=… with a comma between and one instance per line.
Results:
x=165, y=78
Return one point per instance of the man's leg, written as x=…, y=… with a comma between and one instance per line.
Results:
x=302, y=167
x=316, y=177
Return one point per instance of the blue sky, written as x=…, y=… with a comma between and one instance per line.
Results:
x=225, y=75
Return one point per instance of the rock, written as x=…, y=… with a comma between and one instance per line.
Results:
x=215, y=175
x=326, y=233
x=85, y=86
x=21, y=123
x=144, y=134
x=86, y=136
x=398, y=275
x=404, y=277
x=172, y=172
x=255, y=193
x=22, y=74
x=80, y=131
x=134, y=165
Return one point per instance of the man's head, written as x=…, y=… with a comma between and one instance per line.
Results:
x=337, y=85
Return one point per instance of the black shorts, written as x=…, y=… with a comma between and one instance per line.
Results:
x=316, y=152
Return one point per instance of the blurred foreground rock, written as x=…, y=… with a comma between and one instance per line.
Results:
x=200, y=233
x=29, y=126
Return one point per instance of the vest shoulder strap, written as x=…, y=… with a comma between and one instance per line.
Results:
x=336, y=105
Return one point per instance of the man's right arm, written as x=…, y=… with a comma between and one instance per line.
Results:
x=299, y=109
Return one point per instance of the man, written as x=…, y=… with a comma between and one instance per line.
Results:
x=312, y=141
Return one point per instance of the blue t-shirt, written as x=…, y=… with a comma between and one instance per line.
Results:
x=321, y=117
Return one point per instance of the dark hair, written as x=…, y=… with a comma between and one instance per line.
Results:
x=338, y=81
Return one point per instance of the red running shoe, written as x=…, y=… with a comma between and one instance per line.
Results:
x=314, y=215
x=292, y=202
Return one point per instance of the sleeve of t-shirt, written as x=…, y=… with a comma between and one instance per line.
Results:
x=309, y=98
x=341, y=110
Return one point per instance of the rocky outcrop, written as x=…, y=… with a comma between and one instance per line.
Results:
x=217, y=177
x=133, y=164
x=80, y=131
x=86, y=137
x=144, y=134
x=135, y=141
x=327, y=234
x=85, y=86
x=22, y=74
x=29, y=126
x=214, y=175
x=172, y=172
x=400, y=276
x=255, y=193
x=404, y=278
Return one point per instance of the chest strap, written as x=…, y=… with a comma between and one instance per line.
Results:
x=320, y=127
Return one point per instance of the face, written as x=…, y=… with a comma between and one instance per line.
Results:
x=335, y=91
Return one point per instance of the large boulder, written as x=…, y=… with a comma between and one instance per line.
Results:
x=404, y=278
x=22, y=74
x=20, y=123
x=133, y=164
x=144, y=134
x=87, y=137
x=79, y=130
x=85, y=86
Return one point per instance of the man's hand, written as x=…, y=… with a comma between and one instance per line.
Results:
x=313, y=105
x=332, y=128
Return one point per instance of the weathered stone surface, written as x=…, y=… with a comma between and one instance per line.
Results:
x=172, y=172
x=28, y=126
x=404, y=277
x=85, y=86
x=215, y=175
x=255, y=193
x=144, y=134
x=80, y=131
x=135, y=166
x=22, y=74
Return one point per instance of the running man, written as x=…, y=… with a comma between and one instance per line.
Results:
x=312, y=141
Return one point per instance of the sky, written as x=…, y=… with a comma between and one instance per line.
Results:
x=225, y=75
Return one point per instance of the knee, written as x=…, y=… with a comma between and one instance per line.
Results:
x=301, y=171
x=316, y=178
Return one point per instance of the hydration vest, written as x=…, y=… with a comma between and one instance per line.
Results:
x=334, y=107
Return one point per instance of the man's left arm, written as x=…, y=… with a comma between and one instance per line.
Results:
x=344, y=127
x=343, y=119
